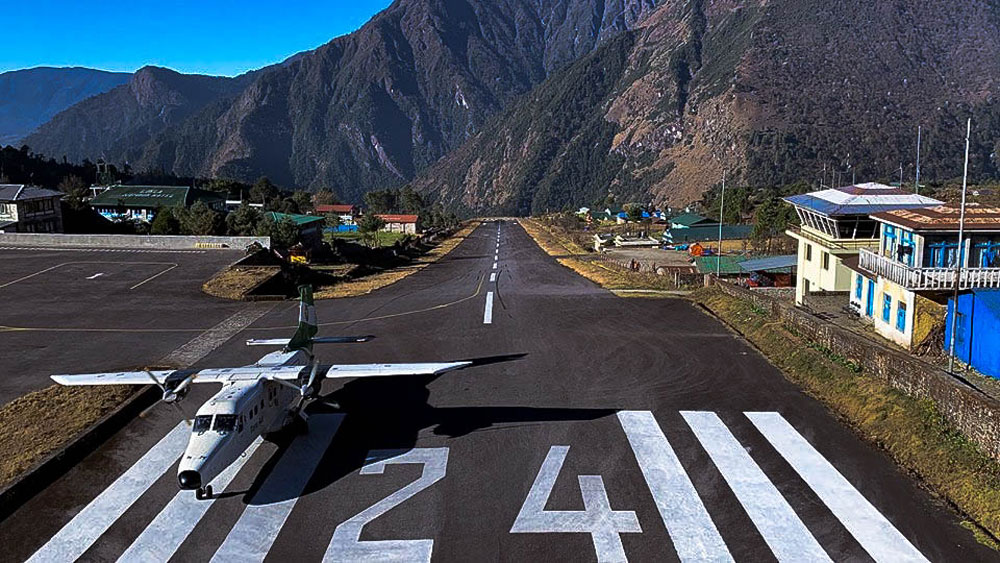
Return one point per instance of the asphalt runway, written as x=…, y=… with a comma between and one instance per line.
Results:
x=630, y=428
x=100, y=309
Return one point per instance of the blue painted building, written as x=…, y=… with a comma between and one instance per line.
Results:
x=977, y=340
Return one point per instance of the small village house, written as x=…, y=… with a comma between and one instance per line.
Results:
x=836, y=225
x=139, y=203
x=347, y=213
x=29, y=209
x=399, y=223
x=903, y=282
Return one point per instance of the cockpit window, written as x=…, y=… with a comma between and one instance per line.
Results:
x=225, y=423
x=202, y=423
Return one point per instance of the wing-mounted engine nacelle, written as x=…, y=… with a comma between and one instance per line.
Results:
x=176, y=389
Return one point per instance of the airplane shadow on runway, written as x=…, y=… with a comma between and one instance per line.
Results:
x=388, y=413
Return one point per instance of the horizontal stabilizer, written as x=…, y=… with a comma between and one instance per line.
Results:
x=341, y=339
x=317, y=340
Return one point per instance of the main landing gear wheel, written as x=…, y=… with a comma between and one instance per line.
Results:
x=203, y=493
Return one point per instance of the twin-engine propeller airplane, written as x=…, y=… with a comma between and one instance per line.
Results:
x=255, y=400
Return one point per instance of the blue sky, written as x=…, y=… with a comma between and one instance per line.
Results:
x=207, y=36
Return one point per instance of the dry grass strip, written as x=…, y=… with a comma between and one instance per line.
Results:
x=42, y=422
x=608, y=276
x=550, y=242
x=236, y=282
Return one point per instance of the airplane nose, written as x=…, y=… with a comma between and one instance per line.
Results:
x=189, y=480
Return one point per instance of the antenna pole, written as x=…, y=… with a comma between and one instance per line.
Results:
x=916, y=187
x=959, y=252
x=722, y=216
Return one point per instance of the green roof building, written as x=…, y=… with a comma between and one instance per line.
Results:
x=729, y=266
x=310, y=226
x=141, y=202
x=300, y=220
x=688, y=220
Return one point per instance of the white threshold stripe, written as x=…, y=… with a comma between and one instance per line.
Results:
x=488, y=313
x=691, y=529
x=872, y=530
x=493, y=277
x=254, y=533
x=778, y=524
x=165, y=534
x=89, y=524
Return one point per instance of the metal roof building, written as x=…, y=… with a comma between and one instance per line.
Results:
x=786, y=263
x=859, y=199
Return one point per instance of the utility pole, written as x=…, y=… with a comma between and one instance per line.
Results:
x=722, y=216
x=900, y=175
x=959, y=252
x=916, y=187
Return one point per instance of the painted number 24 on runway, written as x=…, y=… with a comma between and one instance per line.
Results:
x=597, y=518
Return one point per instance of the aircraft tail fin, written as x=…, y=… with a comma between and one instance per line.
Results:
x=307, y=329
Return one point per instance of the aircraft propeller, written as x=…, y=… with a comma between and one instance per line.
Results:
x=172, y=396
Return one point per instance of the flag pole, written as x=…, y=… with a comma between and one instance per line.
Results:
x=959, y=252
x=722, y=216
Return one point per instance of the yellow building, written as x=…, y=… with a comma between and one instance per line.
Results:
x=900, y=284
x=836, y=224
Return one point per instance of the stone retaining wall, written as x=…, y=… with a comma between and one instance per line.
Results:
x=974, y=413
x=159, y=242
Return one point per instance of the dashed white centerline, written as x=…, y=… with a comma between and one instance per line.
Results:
x=488, y=313
x=493, y=277
x=494, y=265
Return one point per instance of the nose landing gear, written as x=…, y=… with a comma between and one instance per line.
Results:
x=203, y=493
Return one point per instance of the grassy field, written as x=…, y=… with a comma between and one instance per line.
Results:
x=384, y=238
x=911, y=431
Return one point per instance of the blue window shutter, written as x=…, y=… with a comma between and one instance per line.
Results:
x=886, y=307
x=901, y=317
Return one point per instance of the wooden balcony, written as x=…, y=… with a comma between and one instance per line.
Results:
x=917, y=279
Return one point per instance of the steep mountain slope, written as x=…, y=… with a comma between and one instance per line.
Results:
x=30, y=97
x=772, y=90
x=117, y=123
x=369, y=109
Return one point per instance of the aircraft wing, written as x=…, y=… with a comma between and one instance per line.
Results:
x=388, y=370
x=253, y=373
x=215, y=375
x=114, y=378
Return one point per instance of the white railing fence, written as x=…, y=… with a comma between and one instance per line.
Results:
x=927, y=278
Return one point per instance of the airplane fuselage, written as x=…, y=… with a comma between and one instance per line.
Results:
x=228, y=423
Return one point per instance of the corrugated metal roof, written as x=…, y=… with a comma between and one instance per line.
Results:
x=295, y=218
x=397, y=218
x=708, y=264
x=689, y=219
x=22, y=192
x=860, y=199
x=770, y=263
x=945, y=218
x=152, y=196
